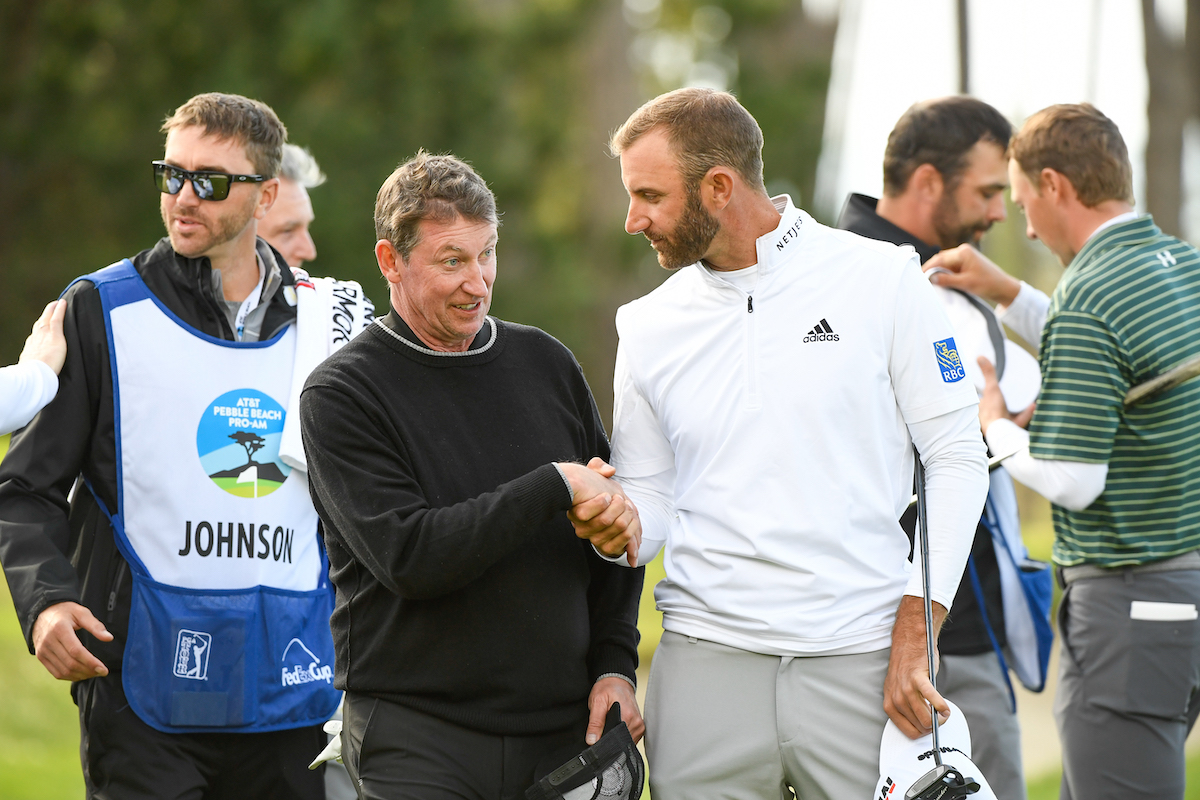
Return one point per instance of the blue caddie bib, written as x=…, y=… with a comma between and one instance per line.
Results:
x=229, y=625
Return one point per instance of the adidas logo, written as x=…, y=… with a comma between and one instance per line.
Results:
x=821, y=333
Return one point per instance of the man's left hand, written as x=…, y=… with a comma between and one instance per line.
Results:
x=605, y=692
x=907, y=690
x=991, y=404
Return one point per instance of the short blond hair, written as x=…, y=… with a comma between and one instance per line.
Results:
x=1082, y=144
x=705, y=128
x=251, y=123
x=441, y=188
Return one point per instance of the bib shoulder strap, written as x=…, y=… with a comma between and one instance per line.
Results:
x=117, y=283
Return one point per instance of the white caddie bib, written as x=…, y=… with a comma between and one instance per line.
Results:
x=229, y=616
x=207, y=503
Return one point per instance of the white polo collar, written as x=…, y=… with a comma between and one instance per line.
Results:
x=777, y=247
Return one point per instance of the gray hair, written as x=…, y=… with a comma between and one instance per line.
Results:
x=300, y=166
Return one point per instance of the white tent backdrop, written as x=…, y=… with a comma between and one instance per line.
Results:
x=1024, y=56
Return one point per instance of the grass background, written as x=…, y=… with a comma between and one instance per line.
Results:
x=39, y=728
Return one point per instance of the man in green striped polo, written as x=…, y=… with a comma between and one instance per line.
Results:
x=1124, y=482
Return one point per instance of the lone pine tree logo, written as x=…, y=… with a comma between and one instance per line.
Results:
x=238, y=443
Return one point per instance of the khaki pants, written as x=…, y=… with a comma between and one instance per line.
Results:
x=730, y=724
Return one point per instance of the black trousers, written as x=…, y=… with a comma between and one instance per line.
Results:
x=125, y=759
x=395, y=753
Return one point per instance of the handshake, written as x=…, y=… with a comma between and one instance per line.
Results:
x=601, y=512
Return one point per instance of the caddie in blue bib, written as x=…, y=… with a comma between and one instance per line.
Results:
x=229, y=627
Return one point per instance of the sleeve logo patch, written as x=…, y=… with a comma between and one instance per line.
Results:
x=948, y=361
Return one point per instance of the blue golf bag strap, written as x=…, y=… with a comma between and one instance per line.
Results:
x=987, y=626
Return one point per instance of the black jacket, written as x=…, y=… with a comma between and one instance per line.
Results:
x=54, y=549
x=964, y=633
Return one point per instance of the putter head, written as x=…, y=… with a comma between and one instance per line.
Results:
x=943, y=782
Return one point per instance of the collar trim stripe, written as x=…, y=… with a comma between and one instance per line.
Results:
x=420, y=348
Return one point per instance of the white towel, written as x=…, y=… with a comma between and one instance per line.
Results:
x=329, y=313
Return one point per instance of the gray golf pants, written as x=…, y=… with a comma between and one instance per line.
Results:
x=1128, y=686
x=976, y=685
x=726, y=723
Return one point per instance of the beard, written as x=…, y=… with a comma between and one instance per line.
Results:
x=692, y=236
x=219, y=230
x=951, y=229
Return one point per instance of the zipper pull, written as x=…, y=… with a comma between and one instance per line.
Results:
x=749, y=304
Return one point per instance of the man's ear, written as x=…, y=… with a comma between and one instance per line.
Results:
x=927, y=183
x=717, y=187
x=1055, y=186
x=390, y=261
x=270, y=191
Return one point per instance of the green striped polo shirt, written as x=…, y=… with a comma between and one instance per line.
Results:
x=1126, y=310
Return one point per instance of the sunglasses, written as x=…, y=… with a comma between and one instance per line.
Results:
x=208, y=185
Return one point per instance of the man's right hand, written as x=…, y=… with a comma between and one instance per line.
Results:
x=58, y=647
x=971, y=271
x=602, y=513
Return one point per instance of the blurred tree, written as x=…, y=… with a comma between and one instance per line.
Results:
x=526, y=90
x=1172, y=101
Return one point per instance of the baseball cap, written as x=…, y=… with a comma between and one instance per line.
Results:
x=904, y=762
x=611, y=769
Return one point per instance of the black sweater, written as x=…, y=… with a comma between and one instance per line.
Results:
x=462, y=590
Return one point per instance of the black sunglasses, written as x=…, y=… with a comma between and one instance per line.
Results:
x=208, y=185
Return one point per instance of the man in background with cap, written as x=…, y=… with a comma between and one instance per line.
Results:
x=944, y=176
x=1122, y=479
x=768, y=396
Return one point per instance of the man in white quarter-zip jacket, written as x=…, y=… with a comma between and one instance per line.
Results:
x=768, y=396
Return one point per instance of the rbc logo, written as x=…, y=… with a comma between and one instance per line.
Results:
x=948, y=361
x=191, y=655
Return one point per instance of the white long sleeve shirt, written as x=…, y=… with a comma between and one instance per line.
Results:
x=766, y=437
x=24, y=390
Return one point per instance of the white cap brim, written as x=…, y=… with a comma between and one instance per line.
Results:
x=903, y=761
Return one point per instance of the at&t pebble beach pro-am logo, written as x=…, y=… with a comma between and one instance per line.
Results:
x=948, y=361
x=238, y=442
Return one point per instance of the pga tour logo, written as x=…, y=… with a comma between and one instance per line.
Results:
x=302, y=672
x=191, y=655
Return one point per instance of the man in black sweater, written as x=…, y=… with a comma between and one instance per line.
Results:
x=944, y=180
x=478, y=639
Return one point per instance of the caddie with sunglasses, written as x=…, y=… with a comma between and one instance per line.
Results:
x=156, y=529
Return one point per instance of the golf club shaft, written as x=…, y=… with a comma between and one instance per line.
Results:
x=923, y=533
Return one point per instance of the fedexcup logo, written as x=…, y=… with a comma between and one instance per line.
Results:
x=238, y=443
x=305, y=666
